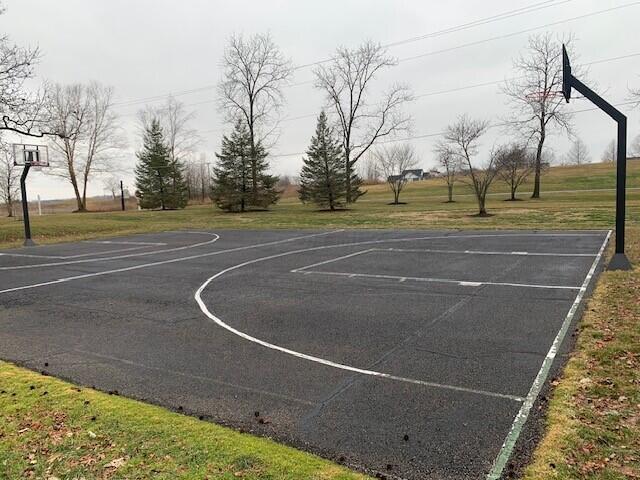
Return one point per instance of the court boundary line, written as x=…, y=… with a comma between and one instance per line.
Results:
x=521, y=417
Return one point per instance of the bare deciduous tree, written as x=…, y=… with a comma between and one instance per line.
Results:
x=197, y=176
x=462, y=141
x=111, y=184
x=451, y=167
x=251, y=89
x=347, y=81
x=89, y=134
x=9, y=178
x=578, y=154
x=22, y=111
x=610, y=153
x=176, y=125
x=368, y=169
x=393, y=161
x=514, y=164
x=534, y=94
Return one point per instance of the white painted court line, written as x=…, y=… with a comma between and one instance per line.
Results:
x=118, y=257
x=331, y=260
x=30, y=255
x=483, y=252
x=465, y=283
x=162, y=262
x=105, y=252
x=116, y=242
x=518, y=423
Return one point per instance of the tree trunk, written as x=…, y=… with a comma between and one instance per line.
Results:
x=482, y=211
x=450, y=192
x=536, y=178
x=84, y=194
x=348, y=179
x=76, y=191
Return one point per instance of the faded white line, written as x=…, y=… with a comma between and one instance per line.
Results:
x=30, y=255
x=117, y=242
x=117, y=257
x=302, y=269
x=518, y=423
x=483, y=252
x=162, y=262
x=466, y=283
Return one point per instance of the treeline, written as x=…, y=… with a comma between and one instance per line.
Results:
x=361, y=119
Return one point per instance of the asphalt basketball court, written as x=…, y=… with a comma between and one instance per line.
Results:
x=410, y=354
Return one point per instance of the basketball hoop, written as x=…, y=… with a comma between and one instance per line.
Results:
x=36, y=156
x=32, y=155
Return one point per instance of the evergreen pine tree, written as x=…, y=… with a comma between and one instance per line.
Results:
x=323, y=176
x=177, y=196
x=159, y=181
x=233, y=187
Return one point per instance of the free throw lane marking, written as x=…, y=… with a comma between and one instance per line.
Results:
x=483, y=252
x=518, y=423
x=464, y=283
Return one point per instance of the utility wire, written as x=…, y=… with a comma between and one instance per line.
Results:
x=520, y=32
x=438, y=134
x=437, y=92
x=456, y=28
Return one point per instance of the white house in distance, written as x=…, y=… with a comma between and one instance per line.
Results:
x=412, y=175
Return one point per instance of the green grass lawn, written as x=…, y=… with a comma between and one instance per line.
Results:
x=425, y=209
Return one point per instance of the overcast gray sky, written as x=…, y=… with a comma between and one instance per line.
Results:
x=147, y=48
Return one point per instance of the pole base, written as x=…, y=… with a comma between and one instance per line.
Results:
x=29, y=243
x=619, y=262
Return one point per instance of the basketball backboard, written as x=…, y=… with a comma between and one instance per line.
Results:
x=566, y=75
x=33, y=155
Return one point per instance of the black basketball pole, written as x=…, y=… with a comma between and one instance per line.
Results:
x=25, y=206
x=619, y=260
x=122, y=195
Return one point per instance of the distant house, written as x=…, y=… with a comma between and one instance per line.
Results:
x=412, y=175
x=433, y=173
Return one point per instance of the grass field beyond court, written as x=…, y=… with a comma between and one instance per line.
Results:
x=582, y=197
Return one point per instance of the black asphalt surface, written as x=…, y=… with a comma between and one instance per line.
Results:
x=121, y=316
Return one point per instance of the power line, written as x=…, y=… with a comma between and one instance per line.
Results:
x=520, y=32
x=439, y=92
x=465, y=26
x=437, y=134
x=466, y=45
x=456, y=28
